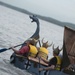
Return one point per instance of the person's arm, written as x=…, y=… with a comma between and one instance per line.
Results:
x=47, y=68
x=52, y=64
x=46, y=61
x=16, y=51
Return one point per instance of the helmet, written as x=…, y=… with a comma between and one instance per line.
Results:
x=32, y=41
x=57, y=50
x=45, y=44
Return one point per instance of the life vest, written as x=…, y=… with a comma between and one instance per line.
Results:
x=43, y=52
x=33, y=51
x=58, y=65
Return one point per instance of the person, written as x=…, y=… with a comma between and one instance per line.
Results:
x=28, y=50
x=54, y=63
x=43, y=51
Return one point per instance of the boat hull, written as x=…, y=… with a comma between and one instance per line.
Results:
x=32, y=65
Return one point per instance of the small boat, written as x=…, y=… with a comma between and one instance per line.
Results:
x=33, y=64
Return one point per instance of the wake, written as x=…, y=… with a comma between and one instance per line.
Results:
x=8, y=69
